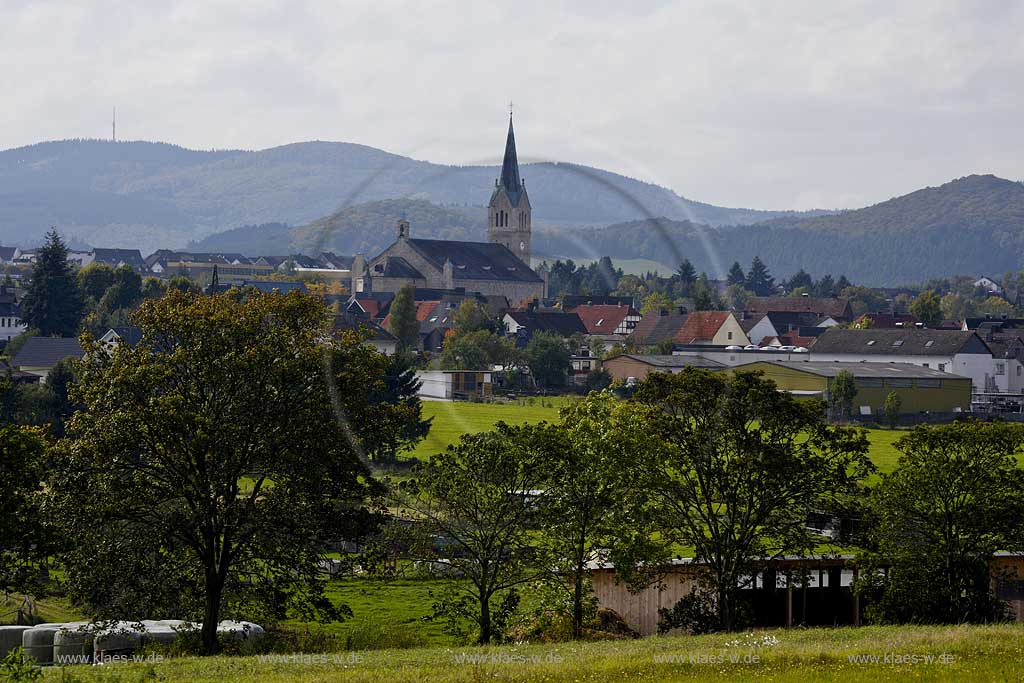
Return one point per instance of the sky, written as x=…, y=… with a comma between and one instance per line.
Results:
x=771, y=105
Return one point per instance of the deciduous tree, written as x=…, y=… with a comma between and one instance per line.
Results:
x=210, y=464
x=404, y=324
x=740, y=467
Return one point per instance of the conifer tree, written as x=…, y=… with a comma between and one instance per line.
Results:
x=53, y=302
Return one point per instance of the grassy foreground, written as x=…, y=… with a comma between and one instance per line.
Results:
x=960, y=653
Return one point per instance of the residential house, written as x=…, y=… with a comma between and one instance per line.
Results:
x=129, y=335
x=631, y=367
x=989, y=285
x=40, y=354
x=376, y=336
x=116, y=258
x=837, y=309
x=952, y=351
x=524, y=324
x=659, y=326
x=612, y=323
x=11, y=324
x=920, y=389
x=712, y=328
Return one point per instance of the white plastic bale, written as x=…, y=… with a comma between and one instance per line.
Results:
x=72, y=646
x=38, y=642
x=10, y=638
x=239, y=630
x=119, y=636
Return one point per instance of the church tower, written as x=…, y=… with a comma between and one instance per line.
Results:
x=508, y=215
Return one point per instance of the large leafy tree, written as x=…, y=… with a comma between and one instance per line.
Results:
x=209, y=466
x=955, y=498
x=22, y=535
x=479, y=501
x=740, y=467
x=403, y=322
x=53, y=302
x=590, y=474
x=475, y=351
x=927, y=308
x=548, y=359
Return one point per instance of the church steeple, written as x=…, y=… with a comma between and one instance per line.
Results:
x=509, y=213
x=510, y=166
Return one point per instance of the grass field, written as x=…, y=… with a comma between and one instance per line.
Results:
x=452, y=419
x=955, y=653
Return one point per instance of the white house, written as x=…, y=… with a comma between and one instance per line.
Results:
x=988, y=284
x=953, y=351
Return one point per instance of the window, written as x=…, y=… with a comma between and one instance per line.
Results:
x=899, y=383
x=600, y=321
x=1000, y=368
x=869, y=382
x=942, y=367
x=924, y=365
x=928, y=343
x=871, y=342
x=929, y=383
x=730, y=335
x=898, y=342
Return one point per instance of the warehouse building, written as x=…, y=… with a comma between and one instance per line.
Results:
x=629, y=366
x=920, y=389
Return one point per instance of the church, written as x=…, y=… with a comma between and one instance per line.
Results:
x=498, y=267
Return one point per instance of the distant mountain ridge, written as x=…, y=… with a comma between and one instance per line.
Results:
x=148, y=195
x=972, y=225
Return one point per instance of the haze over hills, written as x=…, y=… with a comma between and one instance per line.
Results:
x=148, y=195
x=972, y=225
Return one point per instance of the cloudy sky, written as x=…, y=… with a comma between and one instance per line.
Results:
x=767, y=105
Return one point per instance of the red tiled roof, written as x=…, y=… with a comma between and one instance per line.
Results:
x=370, y=306
x=423, y=311
x=701, y=326
x=602, y=318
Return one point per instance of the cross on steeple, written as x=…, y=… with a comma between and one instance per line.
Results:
x=510, y=108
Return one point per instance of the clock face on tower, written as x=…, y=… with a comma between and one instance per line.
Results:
x=522, y=246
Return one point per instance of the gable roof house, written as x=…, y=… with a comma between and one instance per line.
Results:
x=952, y=351
x=526, y=323
x=836, y=308
x=611, y=323
x=377, y=337
x=11, y=324
x=659, y=326
x=712, y=328
x=40, y=354
x=120, y=257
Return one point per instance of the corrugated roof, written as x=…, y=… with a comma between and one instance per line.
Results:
x=865, y=370
x=663, y=361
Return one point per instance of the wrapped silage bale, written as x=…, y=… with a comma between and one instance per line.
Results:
x=117, y=638
x=10, y=638
x=162, y=632
x=72, y=645
x=239, y=630
x=38, y=642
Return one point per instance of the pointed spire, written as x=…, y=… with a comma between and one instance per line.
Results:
x=510, y=166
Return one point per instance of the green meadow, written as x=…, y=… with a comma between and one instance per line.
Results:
x=871, y=653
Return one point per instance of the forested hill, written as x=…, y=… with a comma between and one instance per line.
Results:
x=972, y=225
x=149, y=195
x=362, y=228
